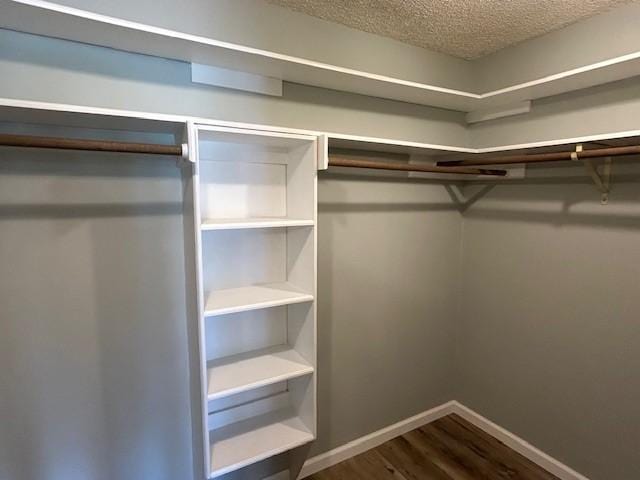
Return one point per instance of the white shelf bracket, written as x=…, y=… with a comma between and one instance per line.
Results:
x=602, y=181
x=236, y=80
x=486, y=114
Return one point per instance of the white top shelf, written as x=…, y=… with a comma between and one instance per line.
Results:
x=233, y=300
x=243, y=443
x=47, y=18
x=239, y=373
x=262, y=222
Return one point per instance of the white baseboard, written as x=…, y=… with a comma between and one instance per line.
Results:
x=362, y=444
x=524, y=448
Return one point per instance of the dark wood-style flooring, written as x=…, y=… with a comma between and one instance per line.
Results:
x=448, y=449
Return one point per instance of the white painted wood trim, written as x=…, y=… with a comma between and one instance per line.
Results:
x=524, y=448
x=323, y=152
x=192, y=133
x=400, y=143
x=362, y=444
x=560, y=141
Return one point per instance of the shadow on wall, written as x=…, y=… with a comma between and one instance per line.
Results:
x=343, y=205
x=563, y=201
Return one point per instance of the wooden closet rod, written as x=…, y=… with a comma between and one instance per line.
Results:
x=337, y=161
x=545, y=157
x=90, y=145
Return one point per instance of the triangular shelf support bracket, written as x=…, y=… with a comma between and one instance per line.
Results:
x=601, y=180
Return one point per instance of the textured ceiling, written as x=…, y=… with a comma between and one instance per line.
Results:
x=464, y=28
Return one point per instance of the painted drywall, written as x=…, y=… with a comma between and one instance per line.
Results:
x=548, y=332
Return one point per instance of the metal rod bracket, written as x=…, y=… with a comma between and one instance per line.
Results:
x=574, y=155
x=602, y=181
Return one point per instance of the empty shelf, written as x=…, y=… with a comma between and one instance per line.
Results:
x=238, y=373
x=264, y=222
x=243, y=443
x=241, y=299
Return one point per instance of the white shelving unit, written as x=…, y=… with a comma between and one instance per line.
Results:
x=255, y=211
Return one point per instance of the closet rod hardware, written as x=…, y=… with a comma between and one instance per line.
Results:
x=545, y=157
x=337, y=161
x=29, y=141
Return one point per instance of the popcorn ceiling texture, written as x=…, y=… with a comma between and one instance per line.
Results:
x=468, y=29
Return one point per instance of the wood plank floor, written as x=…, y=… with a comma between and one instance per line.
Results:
x=448, y=449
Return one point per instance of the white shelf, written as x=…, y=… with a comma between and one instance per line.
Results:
x=233, y=300
x=244, y=223
x=47, y=18
x=243, y=443
x=239, y=373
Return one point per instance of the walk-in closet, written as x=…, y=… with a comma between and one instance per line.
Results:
x=332, y=240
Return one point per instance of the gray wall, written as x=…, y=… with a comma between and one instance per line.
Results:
x=610, y=108
x=94, y=378
x=388, y=271
x=548, y=331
